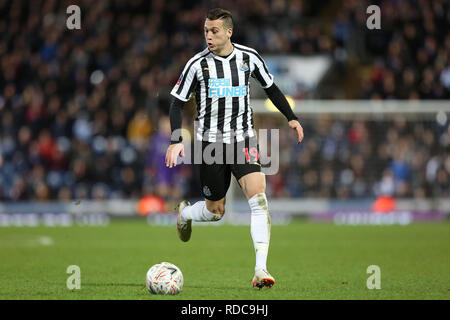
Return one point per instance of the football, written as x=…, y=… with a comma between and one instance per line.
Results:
x=164, y=278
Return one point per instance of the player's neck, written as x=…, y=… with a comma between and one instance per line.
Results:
x=226, y=50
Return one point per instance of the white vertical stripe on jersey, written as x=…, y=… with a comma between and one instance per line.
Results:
x=239, y=120
x=201, y=105
x=214, y=101
x=228, y=106
x=189, y=78
x=249, y=111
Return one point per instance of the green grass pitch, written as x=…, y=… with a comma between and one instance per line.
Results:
x=308, y=261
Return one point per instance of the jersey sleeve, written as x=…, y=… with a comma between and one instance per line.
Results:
x=261, y=72
x=186, y=83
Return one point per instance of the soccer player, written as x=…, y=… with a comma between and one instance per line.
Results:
x=219, y=76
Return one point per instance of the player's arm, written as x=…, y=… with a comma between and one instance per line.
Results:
x=180, y=93
x=279, y=100
x=175, y=148
x=262, y=75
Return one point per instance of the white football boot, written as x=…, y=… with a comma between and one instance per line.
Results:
x=184, y=227
x=262, y=278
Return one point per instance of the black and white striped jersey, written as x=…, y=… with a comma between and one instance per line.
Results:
x=222, y=92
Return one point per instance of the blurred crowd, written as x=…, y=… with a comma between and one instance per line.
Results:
x=363, y=159
x=409, y=55
x=83, y=113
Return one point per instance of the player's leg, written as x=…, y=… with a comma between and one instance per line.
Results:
x=216, y=207
x=206, y=210
x=215, y=180
x=202, y=211
x=253, y=184
x=254, y=187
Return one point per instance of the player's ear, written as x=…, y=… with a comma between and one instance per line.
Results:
x=229, y=32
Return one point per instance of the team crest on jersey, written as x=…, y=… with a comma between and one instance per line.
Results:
x=180, y=79
x=244, y=66
x=206, y=191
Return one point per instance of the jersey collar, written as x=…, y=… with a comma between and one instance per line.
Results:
x=222, y=58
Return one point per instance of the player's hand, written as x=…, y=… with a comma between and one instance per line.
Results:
x=294, y=124
x=173, y=151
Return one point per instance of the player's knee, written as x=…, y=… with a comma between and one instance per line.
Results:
x=217, y=209
x=255, y=191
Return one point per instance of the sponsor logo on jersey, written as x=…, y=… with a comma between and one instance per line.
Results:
x=222, y=88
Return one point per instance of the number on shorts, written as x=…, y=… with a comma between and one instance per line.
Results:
x=253, y=152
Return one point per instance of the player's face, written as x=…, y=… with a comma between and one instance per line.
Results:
x=216, y=35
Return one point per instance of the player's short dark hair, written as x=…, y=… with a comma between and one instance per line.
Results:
x=222, y=14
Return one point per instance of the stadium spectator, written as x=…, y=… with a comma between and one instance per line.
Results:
x=82, y=111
